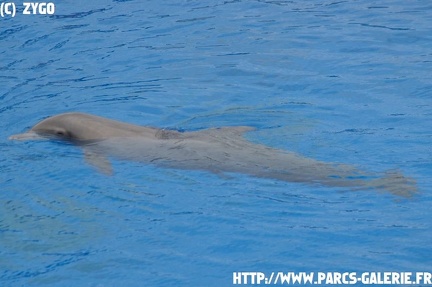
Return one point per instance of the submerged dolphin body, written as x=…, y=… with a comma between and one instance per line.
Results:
x=217, y=150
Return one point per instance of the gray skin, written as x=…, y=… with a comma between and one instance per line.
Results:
x=218, y=150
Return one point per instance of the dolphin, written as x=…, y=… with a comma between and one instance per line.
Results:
x=219, y=150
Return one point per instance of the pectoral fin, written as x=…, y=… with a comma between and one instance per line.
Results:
x=99, y=161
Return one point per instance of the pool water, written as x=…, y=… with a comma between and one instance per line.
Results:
x=345, y=81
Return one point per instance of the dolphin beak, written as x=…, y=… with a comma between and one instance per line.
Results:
x=30, y=135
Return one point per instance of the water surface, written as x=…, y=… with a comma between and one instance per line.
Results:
x=345, y=81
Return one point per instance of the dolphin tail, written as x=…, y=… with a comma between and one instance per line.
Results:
x=395, y=183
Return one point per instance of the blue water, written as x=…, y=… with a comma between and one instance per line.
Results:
x=344, y=81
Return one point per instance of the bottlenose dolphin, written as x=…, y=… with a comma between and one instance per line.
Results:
x=219, y=150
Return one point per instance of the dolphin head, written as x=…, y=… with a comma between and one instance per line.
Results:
x=81, y=128
x=73, y=127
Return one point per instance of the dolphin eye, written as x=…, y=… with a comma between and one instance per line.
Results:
x=61, y=133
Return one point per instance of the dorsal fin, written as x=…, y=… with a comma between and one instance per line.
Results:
x=236, y=131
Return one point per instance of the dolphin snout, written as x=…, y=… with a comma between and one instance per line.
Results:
x=30, y=135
